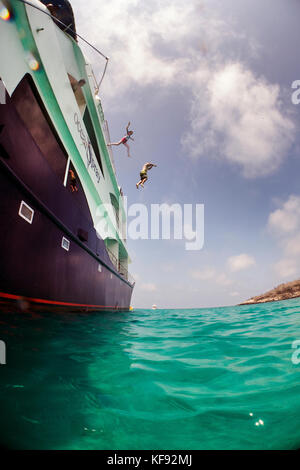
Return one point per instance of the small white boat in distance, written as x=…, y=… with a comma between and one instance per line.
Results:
x=154, y=307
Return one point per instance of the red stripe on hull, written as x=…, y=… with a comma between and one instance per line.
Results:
x=51, y=302
x=9, y=298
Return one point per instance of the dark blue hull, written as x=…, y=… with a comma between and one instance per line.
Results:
x=34, y=267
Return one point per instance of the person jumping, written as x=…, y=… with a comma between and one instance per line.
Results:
x=124, y=140
x=143, y=174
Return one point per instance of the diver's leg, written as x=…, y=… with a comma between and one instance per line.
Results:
x=115, y=143
x=128, y=148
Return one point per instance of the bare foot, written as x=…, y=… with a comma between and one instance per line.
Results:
x=137, y=186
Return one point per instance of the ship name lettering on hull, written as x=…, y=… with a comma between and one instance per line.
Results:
x=87, y=144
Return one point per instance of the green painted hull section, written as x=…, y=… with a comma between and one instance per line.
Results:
x=44, y=86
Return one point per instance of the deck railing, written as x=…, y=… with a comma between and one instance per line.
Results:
x=121, y=268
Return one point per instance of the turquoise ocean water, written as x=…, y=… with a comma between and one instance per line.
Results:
x=217, y=378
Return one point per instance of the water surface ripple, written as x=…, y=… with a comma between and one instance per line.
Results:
x=218, y=378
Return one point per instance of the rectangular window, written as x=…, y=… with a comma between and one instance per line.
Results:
x=26, y=212
x=65, y=244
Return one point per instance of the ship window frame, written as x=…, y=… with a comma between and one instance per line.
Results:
x=86, y=119
x=89, y=126
x=22, y=215
x=67, y=245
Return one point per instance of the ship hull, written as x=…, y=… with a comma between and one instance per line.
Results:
x=36, y=270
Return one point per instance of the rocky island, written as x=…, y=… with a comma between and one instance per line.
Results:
x=284, y=291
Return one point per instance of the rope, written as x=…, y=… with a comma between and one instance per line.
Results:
x=73, y=32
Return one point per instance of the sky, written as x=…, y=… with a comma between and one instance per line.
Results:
x=207, y=87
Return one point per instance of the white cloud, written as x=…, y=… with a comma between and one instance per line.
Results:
x=210, y=273
x=149, y=287
x=237, y=116
x=240, y=262
x=168, y=267
x=286, y=267
x=146, y=42
x=286, y=219
x=223, y=280
x=235, y=294
x=292, y=246
x=204, y=275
